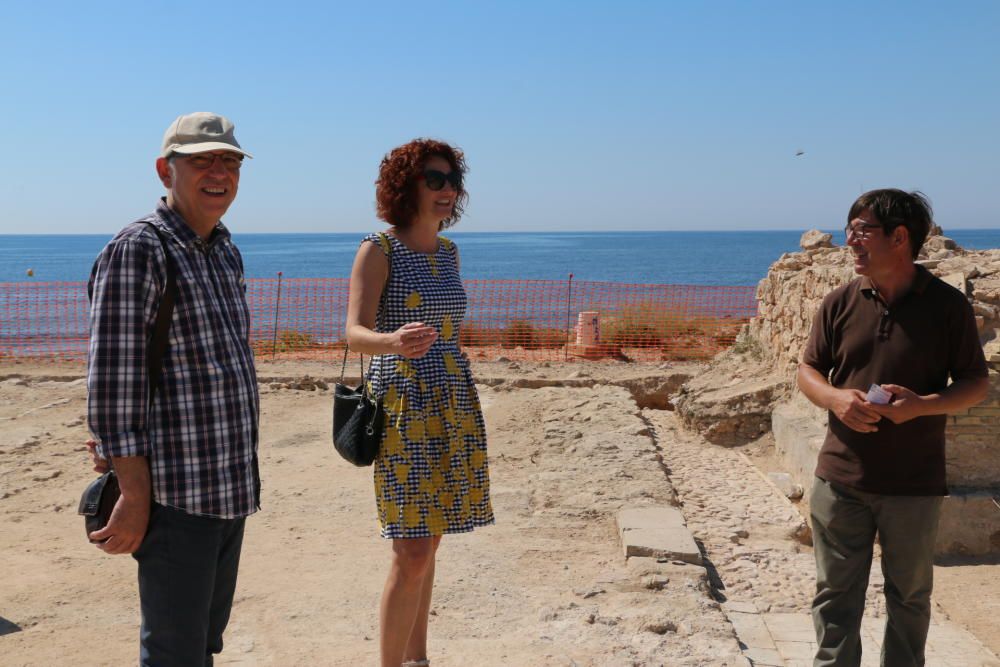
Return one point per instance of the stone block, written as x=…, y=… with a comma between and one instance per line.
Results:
x=970, y=517
x=970, y=523
x=799, y=430
x=657, y=532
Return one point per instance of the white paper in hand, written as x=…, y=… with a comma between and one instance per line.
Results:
x=878, y=395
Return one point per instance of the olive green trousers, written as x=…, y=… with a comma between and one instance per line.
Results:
x=845, y=522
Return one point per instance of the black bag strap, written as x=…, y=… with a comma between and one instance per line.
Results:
x=164, y=316
x=388, y=255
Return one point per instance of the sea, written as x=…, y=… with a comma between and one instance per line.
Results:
x=666, y=258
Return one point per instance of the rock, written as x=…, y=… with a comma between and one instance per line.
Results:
x=957, y=280
x=802, y=534
x=659, y=627
x=814, y=239
x=936, y=243
x=587, y=593
x=732, y=415
x=784, y=483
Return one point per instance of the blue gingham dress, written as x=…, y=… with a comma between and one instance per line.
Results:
x=431, y=474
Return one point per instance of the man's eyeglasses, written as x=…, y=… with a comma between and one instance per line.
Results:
x=436, y=179
x=863, y=231
x=203, y=161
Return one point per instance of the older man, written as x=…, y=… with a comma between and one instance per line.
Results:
x=187, y=460
x=881, y=469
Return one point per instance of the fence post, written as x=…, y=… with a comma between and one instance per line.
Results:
x=569, y=316
x=277, y=305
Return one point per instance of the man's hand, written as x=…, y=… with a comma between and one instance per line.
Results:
x=100, y=465
x=126, y=528
x=854, y=411
x=129, y=519
x=905, y=405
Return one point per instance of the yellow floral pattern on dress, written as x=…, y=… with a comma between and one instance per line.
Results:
x=450, y=366
x=432, y=473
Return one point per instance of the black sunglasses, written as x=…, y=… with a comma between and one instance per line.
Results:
x=436, y=179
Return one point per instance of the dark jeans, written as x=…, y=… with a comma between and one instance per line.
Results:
x=187, y=578
x=845, y=522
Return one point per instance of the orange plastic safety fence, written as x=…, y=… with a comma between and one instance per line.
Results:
x=518, y=319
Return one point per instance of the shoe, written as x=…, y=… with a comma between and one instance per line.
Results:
x=417, y=663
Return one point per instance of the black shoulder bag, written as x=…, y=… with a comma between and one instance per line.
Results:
x=358, y=416
x=99, y=498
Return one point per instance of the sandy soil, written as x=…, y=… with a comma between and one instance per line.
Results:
x=547, y=585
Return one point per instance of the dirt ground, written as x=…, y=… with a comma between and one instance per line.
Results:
x=548, y=585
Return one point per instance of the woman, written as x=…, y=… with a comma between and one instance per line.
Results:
x=406, y=305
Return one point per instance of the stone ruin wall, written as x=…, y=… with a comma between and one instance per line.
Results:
x=795, y=286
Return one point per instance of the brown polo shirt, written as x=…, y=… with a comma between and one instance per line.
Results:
x=857, y=340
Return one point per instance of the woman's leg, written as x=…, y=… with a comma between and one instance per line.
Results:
x=401, y=597
x=416, y=647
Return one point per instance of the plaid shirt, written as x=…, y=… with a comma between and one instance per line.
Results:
x=200, y=434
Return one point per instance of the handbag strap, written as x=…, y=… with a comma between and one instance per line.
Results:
x=164, y=316
x=387, y=245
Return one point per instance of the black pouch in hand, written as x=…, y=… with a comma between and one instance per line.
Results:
x=98, y=501
x=100, y=496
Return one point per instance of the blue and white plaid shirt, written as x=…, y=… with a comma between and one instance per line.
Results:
x=200, y=434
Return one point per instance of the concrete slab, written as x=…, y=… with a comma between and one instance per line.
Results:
x=764, y=657
x=788, y=640
x=657, y=532
x=790, y=627
x=751, y=630
x=745, y=606
x=796, y=650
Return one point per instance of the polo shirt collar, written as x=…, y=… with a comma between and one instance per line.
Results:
x=920, y=282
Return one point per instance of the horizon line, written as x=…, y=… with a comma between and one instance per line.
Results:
x=535, y=231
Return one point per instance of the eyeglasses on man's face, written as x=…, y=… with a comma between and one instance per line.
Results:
x=861, y=230
x=202, y=161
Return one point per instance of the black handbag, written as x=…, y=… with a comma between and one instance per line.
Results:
x=358, y=420
x=101, y=495
x=358, y=416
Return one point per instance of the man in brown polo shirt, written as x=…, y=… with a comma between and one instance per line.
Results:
x=881, y=469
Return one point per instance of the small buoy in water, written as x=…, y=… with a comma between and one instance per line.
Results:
x=31, y=272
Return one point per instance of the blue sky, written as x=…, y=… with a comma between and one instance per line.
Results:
x=573, y=115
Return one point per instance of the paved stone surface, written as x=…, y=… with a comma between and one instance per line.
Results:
x=788, y=640
x=657, y=532
x=764, y=578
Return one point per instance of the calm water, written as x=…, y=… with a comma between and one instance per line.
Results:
x=694, y=258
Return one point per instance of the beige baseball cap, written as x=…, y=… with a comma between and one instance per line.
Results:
x=200, y=132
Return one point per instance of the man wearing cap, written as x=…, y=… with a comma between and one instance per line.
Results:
x=890, y=354
x=187, y=461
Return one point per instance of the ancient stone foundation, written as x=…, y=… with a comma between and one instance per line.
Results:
x=768, y=350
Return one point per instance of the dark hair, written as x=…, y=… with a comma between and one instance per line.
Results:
x=892, y=208
x=396, y=187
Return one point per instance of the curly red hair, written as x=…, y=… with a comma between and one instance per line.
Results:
x=396, y=187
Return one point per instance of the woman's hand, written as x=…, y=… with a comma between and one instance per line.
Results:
x=412, y=340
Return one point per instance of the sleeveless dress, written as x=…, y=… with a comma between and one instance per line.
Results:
x=431, y=474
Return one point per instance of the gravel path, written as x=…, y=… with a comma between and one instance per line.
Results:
x=749, y=532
